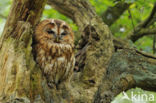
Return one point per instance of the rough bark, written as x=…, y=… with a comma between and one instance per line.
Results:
x=128, y=68
x=92, y=56
x=21, y=79
x=17, y=65
x=109, y=80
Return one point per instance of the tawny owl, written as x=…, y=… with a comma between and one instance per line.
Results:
x=54, y=43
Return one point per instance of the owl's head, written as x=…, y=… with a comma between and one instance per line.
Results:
x=55, y=31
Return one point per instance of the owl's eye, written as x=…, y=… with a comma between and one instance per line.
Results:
x=50, y=32
x=63, y=33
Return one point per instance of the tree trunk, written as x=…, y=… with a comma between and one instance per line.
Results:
x=93, y=80
x=17, y=66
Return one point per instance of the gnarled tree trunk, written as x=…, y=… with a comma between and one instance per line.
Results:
x=99, y=76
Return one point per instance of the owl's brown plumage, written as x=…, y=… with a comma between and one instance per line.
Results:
x=54, y=42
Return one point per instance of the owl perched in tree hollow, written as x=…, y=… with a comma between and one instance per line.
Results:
x=54, y=43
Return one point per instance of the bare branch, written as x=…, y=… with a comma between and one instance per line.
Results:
x=142, y=32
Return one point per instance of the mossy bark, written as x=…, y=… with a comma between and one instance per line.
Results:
x=127, y=69
x=17, y=65
x=93, y=80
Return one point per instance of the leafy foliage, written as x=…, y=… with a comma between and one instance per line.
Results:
x=139, y=10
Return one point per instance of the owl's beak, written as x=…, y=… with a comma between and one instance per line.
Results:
x=57, y=39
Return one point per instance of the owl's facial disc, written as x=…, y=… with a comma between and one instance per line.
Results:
x=58, y=32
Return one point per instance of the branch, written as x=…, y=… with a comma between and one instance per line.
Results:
x=75, y=13
x=113, y=13
x=134, y=36
x=128, y=68
x=74, y=10
x=143, y=32
x=120, y=43
x=21, y=80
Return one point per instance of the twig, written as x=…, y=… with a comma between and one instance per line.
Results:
x=146, y=54
x=143, y=32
